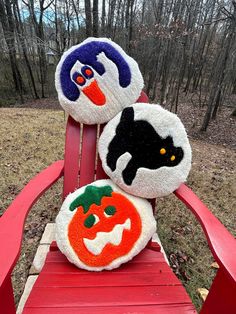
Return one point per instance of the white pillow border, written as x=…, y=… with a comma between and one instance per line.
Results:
x=64, y=217
x=83, y=111
x=165, y=123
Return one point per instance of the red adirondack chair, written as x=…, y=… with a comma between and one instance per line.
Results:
x=144, y=285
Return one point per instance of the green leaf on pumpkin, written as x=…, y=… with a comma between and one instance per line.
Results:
x=92, y=195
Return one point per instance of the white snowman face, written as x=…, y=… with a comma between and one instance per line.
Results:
x=96, y=79
x=145, y=150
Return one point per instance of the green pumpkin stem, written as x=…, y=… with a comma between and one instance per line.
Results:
x=92, y=195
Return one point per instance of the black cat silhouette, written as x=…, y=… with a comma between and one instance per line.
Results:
x=147, y=148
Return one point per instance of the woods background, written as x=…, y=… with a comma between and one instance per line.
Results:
x=186, y=49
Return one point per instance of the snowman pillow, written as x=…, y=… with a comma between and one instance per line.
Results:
x=96, y=79
x=145, y=150
x=101, y=227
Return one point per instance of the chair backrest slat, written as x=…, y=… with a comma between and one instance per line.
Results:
x=82, y=163
x=88, y=155
x=71, y=158
x=100, y=173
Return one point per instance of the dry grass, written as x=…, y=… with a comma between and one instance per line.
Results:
x=213, y=179
x=32, y=139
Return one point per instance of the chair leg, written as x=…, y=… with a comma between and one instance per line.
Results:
x=7, y=303
x=221, y=297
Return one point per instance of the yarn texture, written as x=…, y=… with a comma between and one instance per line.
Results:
x=101, y=227
x=96, y=79
x=145, y=150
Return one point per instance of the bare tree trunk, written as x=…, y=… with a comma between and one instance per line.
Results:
x=103, y=16
x=217, y=104
x=20, y=32
x=220, y=70
x=110, y=17
x=95, y=18
x=76, y=10
x=88, y=17
x=39, y=31
x=127, y=21
x=118, y=17
x=58, y=48
x=8, y=30
x=68, y=23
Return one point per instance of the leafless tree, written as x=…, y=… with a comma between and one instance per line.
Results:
x=88, y=17
x=185, y=48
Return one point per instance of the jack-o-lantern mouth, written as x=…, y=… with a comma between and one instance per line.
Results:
x=114, y=237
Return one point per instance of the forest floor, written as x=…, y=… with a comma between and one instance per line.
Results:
x=32, y=138
x=220, y=131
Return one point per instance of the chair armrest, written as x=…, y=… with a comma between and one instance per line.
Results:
x=222, y=244
x=12, y=221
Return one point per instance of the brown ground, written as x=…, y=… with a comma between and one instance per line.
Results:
x=220, y=131
x=32, y=139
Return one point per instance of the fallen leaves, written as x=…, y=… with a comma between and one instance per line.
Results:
x=220, y=131
x=203, y=292
x=211, y=164
x=215, y=265
x=177, y=261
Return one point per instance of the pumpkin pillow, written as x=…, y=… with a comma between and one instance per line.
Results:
x=145, y=150
x=101, y=227
x=96, y=79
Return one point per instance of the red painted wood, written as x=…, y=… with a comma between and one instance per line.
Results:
x=147, y=280
x=72, y=149
x=88, y=155
x=7, y=304
x=222, y=296
x=53, y=246
x=154, y=246
x=220, y=241
x=100, y=173
x=146, y=255
x=53, y=268
x=148, y=309
x=57, y=263
x=12, y=221
x=143, y=97
x=107, y=296
x=106, y=279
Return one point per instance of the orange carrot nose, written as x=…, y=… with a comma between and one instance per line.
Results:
x=94, y=93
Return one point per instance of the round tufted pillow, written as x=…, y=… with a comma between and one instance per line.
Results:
x=101, y=227
x=145, y=150
x=96, y=79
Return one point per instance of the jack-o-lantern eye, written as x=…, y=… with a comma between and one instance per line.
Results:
x=109, y=211
x=91, y=220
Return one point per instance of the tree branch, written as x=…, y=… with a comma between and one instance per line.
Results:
x=215, y=21
x=47, y=6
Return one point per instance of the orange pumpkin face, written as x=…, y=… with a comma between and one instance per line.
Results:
x=106, y=231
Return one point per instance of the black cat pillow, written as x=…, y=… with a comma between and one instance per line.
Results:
x=145, y=150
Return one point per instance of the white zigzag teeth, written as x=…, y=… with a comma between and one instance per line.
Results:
x=114, y=237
